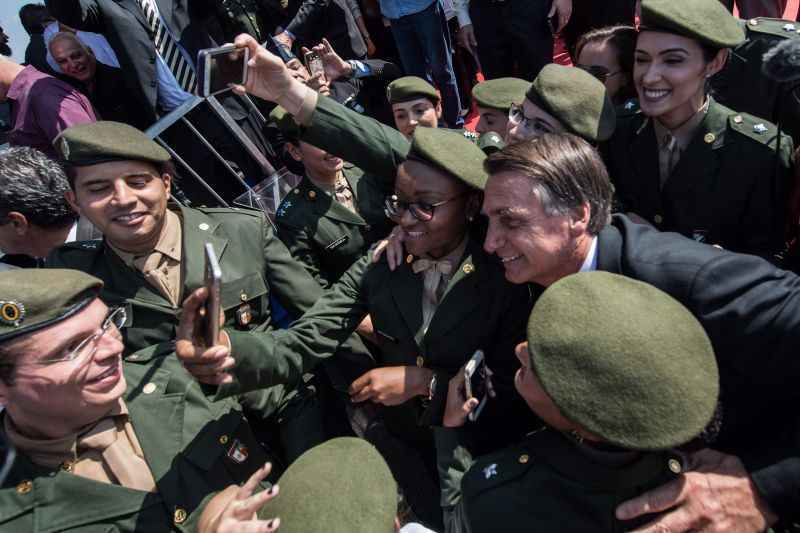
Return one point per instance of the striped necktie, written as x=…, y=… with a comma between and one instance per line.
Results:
x=168, y=48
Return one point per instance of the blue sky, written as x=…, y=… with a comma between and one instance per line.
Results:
x=9, y=20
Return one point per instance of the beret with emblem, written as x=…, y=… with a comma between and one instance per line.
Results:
x=410, y=88
x=105, y=141
x=285, y=123
x=623, y=360
x=452, y=152
x=707, y=21
x=577, y=99
x=35, y=298
x=341, y=486
x=500, y=93
x=491, y=142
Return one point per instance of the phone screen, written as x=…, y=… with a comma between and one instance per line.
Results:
x=477, y=381
x=314, y=63
x=226, y=67
x=213, y=281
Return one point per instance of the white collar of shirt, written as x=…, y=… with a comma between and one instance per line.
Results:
x=590, y=263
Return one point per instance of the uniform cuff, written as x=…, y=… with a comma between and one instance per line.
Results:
x=779, y=486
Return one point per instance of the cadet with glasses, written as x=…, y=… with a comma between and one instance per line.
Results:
x=685, y=163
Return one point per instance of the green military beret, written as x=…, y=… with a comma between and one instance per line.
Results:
x=704, y=20
x=491, y=142
x=623, y=360
x=341, y=486
x=500, y=93
x=451, y=152
x=35, y=298
x=285, y=123
x=410, y=88
x=104, y=141
x=577, y=99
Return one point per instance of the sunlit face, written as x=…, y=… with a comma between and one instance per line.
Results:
x=418, y=182
x=533, y=246
x=125, y=200
x=527, y=384
x=68, y=393
x=319, y=164
x=530, y=121
x=75, y=61
x=418, y=112
x=604, y=55
x=491, y=119
x=669, y=73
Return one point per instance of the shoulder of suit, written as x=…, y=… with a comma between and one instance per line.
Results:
x=762, y=26
x=225, y=212
x=756, y=129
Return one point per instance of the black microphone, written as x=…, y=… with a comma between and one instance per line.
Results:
x=782, y=62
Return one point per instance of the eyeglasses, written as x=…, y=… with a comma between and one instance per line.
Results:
x=598, y=71
x=395, y=207
x=88, y=346
x=534, y=126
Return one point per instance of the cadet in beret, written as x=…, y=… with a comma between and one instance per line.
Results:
x=685, y=163
x=494, y=99
x=430, y=315
x=621, y=373
x=107, y=446
x=563, y=99
x=414, y=102
x=151, y=256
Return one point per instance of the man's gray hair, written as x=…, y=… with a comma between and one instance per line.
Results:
x=34, y=185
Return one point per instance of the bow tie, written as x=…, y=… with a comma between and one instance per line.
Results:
x=421, y=265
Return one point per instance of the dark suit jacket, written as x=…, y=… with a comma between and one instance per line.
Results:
x=751, y=312
x=331, y=19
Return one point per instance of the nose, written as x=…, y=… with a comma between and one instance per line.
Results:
x=122, y=195
x=650, y=74
x=109, y=345
x=407, y=219
x=493, y=240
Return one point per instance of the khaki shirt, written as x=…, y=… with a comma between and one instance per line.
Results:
x=106, y=451
x=161, y=267
x=435, y=283
x=339, y=191
x=672, y=143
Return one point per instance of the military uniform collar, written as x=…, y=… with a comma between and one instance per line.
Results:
x=327, y=205
x=683, y=134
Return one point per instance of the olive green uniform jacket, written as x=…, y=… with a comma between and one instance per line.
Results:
x=325, y=236
x=195, y=444
x=547, y=483
x=730, y=187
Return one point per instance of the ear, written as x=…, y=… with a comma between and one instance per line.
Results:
x=167, y=179
x=19, y=223
x=439, y=110
x=69, y=196
x=579, y=220
x=718, y=62
x=294, y=151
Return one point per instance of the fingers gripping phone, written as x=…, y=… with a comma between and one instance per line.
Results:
x=475, y=377
x=213, y=282
x=221, y=67
x=314, y=64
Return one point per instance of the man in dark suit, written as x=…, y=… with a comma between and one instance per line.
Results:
x=548, y=206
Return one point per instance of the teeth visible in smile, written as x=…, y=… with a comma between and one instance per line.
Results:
x=655, y=93
x=509, y=259
x=105, y=374
x=415, y=234
x=127, y=218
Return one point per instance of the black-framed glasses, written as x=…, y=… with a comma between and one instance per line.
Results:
x=422, y=211
x=88, y=346
x=533, y=126
x=598, y=71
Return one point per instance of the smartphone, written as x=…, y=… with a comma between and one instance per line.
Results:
x=279, y=49
x=314, y=64
x=219, y=67
x=213, y=282
x=475, y=377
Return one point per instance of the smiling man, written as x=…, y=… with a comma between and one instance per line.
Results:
x=101, y=444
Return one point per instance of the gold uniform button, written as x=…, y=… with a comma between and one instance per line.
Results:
x=523, y=459
x=66, y=466
x=223, y=439
x=25, y=487
x=409, y=259
x=243, y=296
x=658, y=219
x=180, y=516
x=468, y=268
x=710, y=138
x=420, y=361
x=312, y=195
x=150, y=388
x=674, y=466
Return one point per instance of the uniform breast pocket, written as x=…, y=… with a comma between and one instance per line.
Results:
x=245, y=301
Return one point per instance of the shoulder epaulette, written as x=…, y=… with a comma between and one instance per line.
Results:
x=785, y=29
x=758, y=129
x=629, y=108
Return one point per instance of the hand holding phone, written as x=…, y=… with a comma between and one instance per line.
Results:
x=314, y=64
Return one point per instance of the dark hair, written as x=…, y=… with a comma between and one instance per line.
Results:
x=34, y=185
x=33, y=18
x=623, y=39
x=565, y=172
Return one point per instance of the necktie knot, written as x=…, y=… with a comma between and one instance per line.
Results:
x=422, y=265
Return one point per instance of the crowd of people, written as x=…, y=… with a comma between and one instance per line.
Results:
x=537, y=268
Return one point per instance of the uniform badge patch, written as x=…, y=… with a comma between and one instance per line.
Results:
x=238, y=452
x=490, y=471
x=760, y=128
